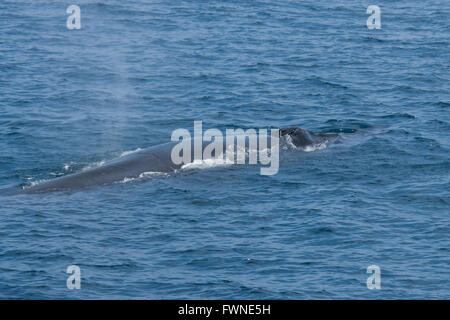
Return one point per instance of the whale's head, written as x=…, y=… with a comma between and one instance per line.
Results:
x=302, y=138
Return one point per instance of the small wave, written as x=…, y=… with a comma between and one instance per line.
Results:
x=443, y=104
x=399, y=115
x=345, y=125
x=56, y=174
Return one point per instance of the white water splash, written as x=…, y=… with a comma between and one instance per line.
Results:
x=314, y=147
x=93, y=165
x=126, y=153
x=207, y=163
x=290, y=145
x=144, y=175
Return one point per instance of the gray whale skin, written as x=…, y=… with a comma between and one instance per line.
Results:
x=153, y=159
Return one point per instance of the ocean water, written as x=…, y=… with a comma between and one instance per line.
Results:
x=137, y=70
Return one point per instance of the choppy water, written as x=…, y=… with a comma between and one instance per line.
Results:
x=137, y=70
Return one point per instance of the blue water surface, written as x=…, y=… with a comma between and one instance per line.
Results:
x=137, y=70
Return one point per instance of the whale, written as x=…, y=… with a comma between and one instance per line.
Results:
x=156, y=159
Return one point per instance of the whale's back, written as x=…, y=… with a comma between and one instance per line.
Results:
x=153, y=159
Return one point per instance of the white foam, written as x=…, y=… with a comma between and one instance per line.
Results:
x=289, y=144
x=207, y=163
x=93, y=165
x=34, y=183
x=315, y=147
